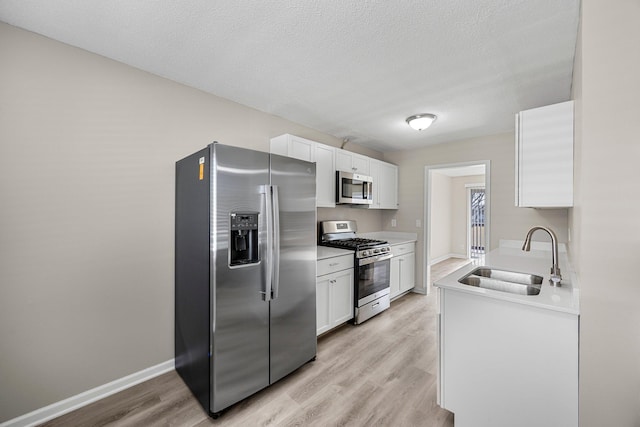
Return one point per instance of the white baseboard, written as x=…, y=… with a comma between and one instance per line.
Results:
x=447, y=256
x=79, y=400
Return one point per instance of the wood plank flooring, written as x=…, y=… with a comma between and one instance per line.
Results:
x=380, y=373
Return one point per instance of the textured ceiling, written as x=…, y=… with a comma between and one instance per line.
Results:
x=354, y=69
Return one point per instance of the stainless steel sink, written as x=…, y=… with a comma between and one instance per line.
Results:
x=503, y=281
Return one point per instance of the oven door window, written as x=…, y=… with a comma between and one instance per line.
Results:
x=373, y=277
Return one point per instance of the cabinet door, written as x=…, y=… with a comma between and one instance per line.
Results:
x=473, y=380
x=544, y=156
x=323, y=322
x=343, y=160
x=387, y=186
x=341, y=297
x=293, y=146
x=375, y=171
x=325, y=176
x=394, y=280
x=407, y=272
x=360, y=164
x=352, y=162
x=300, y=148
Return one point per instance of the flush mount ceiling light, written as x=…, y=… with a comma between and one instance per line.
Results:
x=421, y=121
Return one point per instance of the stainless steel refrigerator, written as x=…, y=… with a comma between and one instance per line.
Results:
x=245, y=262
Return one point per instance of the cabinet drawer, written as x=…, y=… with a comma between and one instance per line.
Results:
x=402, y=249
x=330, y=265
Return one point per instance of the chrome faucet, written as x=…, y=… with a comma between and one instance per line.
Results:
x=556, y=277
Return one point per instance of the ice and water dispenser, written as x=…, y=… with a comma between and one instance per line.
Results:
x=243, y=244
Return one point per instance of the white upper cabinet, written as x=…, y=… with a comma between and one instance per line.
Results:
x=352, y=162
x=385, y=185
x=293, y=146
x=544, y=157
x=311, y=151
x=330, y=159
x=325, y=176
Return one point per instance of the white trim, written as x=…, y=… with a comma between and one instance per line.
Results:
x=445, y=257
x=79, y=400
x=478, y=185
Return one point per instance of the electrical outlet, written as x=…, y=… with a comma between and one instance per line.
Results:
x=394, y=223
x=418, y=223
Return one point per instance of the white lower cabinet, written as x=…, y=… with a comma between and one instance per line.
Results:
x=506, y=364
x=403, y=269
x=334, y=293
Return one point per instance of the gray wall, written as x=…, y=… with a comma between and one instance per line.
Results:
x=87, y=154
x=604, y=221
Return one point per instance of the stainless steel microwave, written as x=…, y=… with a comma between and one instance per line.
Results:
x=353, y=188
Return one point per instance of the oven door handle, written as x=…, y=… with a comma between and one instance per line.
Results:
x=372, y=259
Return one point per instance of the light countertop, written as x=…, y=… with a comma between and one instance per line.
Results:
x=325, y=252
x=564, y=298
x=393, y=237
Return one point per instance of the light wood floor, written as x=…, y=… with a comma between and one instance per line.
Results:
x=380, y=373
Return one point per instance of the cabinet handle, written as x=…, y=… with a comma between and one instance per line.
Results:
x=332, y=281
x=333, y=264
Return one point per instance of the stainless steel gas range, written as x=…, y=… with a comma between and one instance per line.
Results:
x=372, y=267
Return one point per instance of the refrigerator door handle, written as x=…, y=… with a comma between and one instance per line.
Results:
x=275, y=257
x=266, y=293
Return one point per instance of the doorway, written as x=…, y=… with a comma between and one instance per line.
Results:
x=457, y=212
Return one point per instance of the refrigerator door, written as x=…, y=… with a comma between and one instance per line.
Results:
x=293, y=307
x=240, y=315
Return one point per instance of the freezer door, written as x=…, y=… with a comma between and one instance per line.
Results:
x=240, y=315
x=293, y=307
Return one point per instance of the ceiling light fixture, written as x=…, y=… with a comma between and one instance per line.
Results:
x=421, y=121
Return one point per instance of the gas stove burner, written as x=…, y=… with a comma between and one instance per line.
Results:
x=342, y=234
x=354, y=243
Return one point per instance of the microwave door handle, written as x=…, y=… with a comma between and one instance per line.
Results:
x=266, y=292
x=275, y=257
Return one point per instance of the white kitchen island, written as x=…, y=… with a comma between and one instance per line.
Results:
x=508, y=359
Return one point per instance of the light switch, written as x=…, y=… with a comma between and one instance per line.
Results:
x=394, y=223
x=418, y=223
